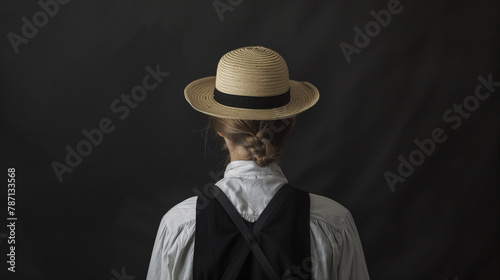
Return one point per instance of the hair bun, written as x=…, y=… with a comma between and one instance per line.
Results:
x=260, y=148
x=261, y=139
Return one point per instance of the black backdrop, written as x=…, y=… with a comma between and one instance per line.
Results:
x=66, y=72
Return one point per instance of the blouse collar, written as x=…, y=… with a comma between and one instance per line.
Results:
x=249, y=169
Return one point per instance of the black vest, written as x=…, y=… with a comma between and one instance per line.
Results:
x=273, y=247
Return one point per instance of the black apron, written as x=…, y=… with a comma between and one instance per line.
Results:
x=229, y=247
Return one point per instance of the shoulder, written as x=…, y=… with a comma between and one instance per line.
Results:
x=181, y=214
x=328, y=211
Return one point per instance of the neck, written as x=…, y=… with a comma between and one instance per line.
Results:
x=238, y=153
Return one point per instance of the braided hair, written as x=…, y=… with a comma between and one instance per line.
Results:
x=262, y=139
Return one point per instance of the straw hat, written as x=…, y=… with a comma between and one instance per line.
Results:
x=252, y=83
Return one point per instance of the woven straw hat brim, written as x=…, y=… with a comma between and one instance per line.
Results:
x=199, y=94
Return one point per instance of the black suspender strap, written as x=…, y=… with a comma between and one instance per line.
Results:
x=281, y=196
x=250, y=234
x=237, y=261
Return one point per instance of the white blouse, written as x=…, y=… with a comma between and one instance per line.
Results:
x=336, y=251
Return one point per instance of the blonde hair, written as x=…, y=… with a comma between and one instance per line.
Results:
x=262, y=139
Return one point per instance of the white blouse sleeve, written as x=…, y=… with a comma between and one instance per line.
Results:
x=352, y=265
x=336, y=249
x=155, y=264
x=172, y=255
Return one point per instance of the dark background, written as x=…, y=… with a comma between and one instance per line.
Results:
x=442, y=222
